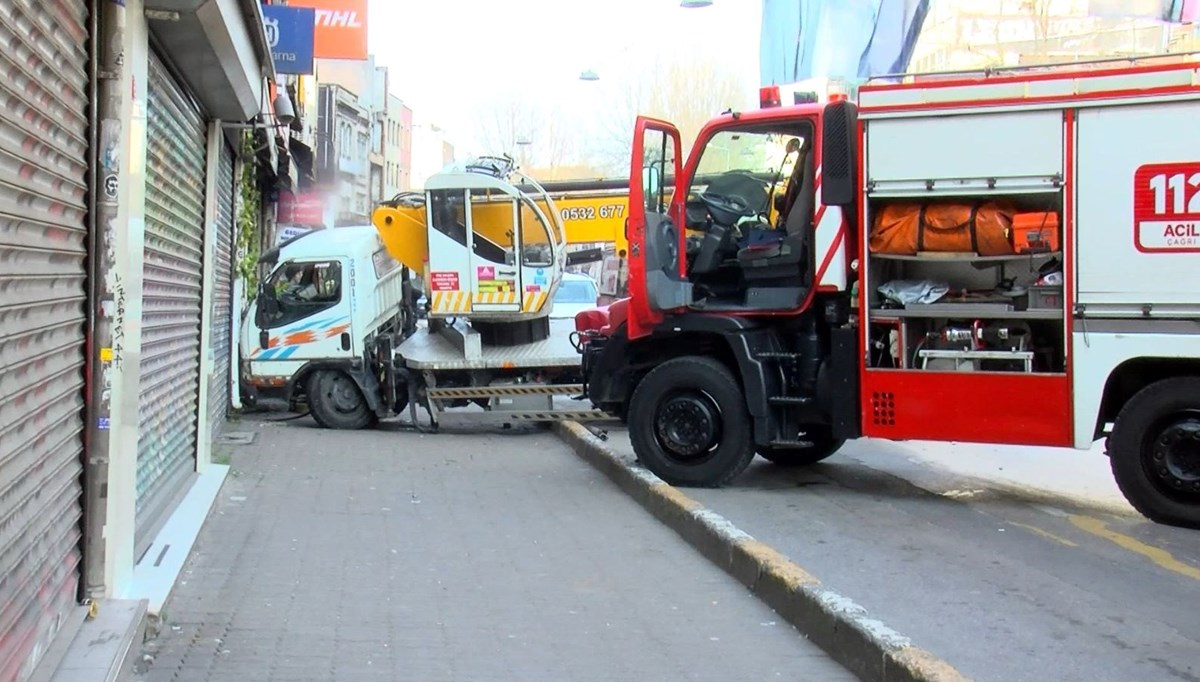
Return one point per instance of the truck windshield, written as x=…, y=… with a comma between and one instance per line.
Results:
x=302, y=289
x=749, y=163
x=756, y=153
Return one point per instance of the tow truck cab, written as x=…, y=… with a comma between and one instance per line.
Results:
x=323, y=297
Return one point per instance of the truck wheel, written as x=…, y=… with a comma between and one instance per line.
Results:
x=823, y=445
x=689, y=425
x=336, y=402
x=1154, y=451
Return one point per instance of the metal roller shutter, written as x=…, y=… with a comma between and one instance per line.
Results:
x=222, y=289
x=43, y=242
x=170, y=366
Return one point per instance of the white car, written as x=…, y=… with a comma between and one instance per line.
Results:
x=575, y=294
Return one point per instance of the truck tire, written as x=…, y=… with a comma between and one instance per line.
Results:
x=1154, y=451
x=336, y=402
x=689, y=425
x=824, y=445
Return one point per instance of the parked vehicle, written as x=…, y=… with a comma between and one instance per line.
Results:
x=1006, y=257
x=576, y=293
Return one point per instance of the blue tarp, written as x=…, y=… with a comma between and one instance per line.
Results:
x=847, y=39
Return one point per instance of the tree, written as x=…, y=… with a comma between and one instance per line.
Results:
x=685, y=90
x=534, y=134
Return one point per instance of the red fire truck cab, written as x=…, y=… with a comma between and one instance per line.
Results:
x=1005, y=258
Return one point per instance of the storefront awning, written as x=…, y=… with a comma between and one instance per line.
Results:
x=220, y=49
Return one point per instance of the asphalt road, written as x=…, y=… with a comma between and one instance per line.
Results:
x=1004, y=576
x=386, y=554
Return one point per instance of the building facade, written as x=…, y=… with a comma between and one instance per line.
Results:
x=397, y=159
x=343, y=165
x=973, y=34
x=116, y=301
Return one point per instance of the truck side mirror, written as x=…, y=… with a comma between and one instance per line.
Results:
x=268, y=306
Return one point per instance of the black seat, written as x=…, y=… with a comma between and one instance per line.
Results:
x=785, y=258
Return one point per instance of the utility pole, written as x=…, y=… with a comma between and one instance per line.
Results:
x=107, y=66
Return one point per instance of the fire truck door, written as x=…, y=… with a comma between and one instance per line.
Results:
x=656, y=235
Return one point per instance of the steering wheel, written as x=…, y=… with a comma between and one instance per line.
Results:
x=724, y=203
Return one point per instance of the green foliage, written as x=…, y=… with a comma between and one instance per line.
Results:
x=247, y=230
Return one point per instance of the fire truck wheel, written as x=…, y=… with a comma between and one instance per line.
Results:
x=823, y=445
x=1154, y=451
x=689, y=424
x=336, y=402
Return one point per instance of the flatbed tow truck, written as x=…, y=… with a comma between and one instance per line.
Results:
x=335, y=325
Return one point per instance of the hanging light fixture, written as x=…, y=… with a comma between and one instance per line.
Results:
x=589, y=75
x=694, y=4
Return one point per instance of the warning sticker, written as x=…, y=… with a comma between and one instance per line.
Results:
x=485, y=272
x=532, y=288
x=443, y=281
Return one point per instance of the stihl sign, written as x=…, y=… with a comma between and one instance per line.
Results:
x=339, y=28
x=328, y=17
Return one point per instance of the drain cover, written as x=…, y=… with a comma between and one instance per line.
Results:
x=237, y=438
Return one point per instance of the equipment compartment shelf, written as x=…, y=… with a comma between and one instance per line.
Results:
x=881, y=314
x=934, y=257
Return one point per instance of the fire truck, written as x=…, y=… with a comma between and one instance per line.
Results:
x=1003, y=257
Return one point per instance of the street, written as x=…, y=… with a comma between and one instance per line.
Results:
x=1012, y=577
x=387, y=554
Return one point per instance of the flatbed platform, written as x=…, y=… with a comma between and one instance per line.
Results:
x=458, y=346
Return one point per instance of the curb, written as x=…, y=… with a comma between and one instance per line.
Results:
x=843, y=629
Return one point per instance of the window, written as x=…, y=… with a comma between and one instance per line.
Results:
x=536, y=251
x=297, y=290
x=447, y=213
x=383, y=262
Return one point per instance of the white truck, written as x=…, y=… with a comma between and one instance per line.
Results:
x=325, y=296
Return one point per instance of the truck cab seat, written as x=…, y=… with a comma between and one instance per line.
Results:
x=785, y=258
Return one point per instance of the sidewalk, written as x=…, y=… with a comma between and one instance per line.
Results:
x=388, y=555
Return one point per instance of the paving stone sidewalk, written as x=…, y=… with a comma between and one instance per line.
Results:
x=391, y=555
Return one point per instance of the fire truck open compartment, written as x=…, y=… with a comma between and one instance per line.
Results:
x=970, y=341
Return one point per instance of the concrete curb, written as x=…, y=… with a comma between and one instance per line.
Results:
x=842, y=628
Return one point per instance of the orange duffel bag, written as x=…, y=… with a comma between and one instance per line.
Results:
x=910, y=228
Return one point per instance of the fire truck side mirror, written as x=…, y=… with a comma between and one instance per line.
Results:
x=839, y=167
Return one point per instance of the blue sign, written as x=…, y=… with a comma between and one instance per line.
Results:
x=290, y=36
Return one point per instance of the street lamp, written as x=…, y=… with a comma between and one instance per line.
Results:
x=523, y=143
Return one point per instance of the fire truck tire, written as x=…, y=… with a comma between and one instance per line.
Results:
x=824, y=445
x=336, y=402
x=689, y=424
x=1154, y=451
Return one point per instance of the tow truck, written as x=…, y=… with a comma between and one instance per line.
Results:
x=1003, y=257
x=335, y=325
